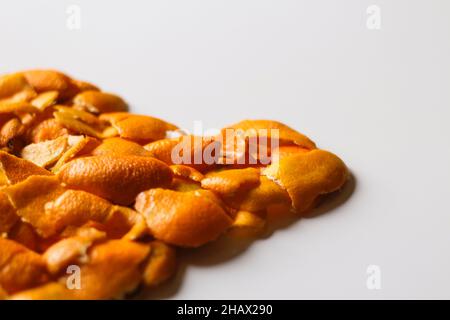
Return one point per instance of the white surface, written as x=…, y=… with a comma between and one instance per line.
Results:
x=378, y=98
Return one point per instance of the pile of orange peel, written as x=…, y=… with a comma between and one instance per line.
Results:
x=85, y=183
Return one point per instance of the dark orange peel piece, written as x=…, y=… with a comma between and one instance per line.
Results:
x=161, y=264
x=8, y=217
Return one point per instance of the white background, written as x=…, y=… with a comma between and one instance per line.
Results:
x=378, y=98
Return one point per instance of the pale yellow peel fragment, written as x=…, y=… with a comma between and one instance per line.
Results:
x=45, y=100
x=45, y=153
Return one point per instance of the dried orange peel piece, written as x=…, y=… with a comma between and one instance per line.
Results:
x=119, y=146
x=10, y=131
x=15, y=87
x=246, y=223
x=30, y=197
x=99, y=102
x=45, y=100
x=16, y=107
x=45, y=153
x=305, y=176
x=48, y=129
x=262, y=128
x=229, y=182
x=186, y=172
x=259, y=198
x=71, y=250
x=25, y=234
x=20, y=268
x=79, y=145
x=72, y=122
x=139, y=128
x=161, y=264
x=51, y=80
x=8, y=217
x=116, y=178
x=14, y=169
x=74, y=208
x=187, y=219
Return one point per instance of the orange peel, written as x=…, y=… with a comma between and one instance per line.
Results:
x=119, y=146
x=15, y=87
x=99, y=102
x=8, y=217
x=160, y=265
x=14, y=169
x=71, y=250
x=51, y=80
x=48, y=129
x=185, y=219
x=45, y=153
x=139, y=128
x=20, y=268
x=116, y=178
x=230, y=182
x=305, y=176
x=251, y=128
